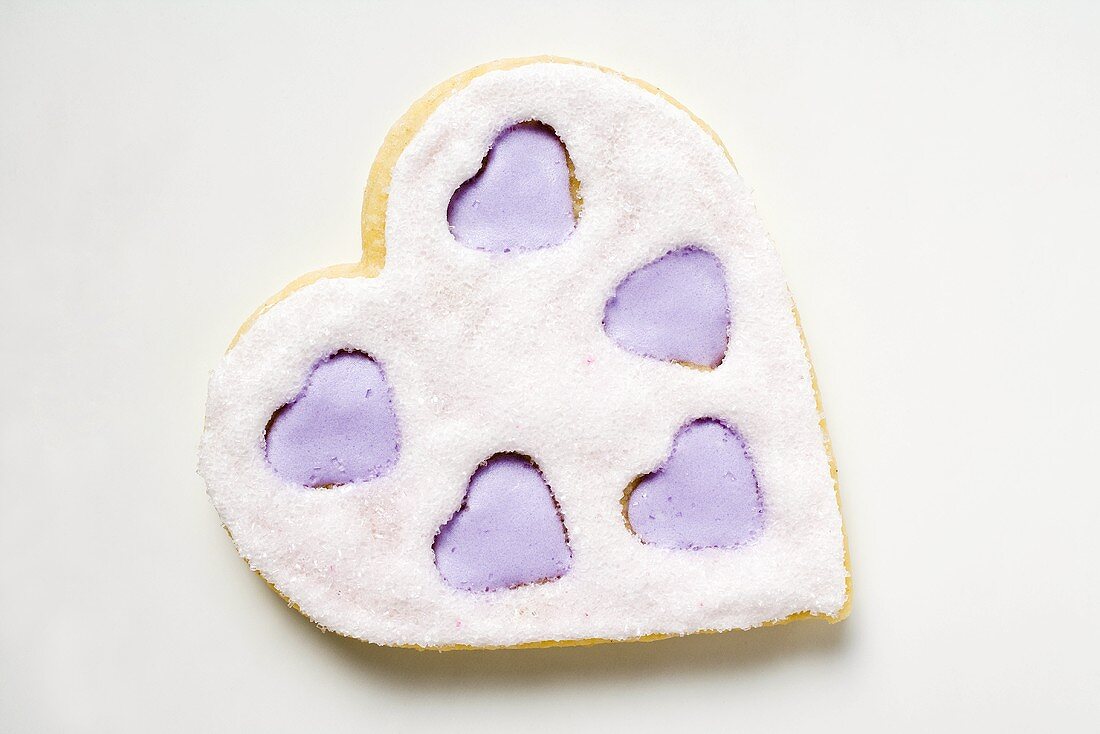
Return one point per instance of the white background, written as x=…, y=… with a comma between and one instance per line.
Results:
x=930, y=173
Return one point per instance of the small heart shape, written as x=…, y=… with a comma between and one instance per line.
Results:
x=675, y=308
x=508, y=531
x=341, y=428
x=521, y=198
x=704, y=496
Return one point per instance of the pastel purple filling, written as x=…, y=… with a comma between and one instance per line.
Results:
x=520, y=199
x=705, y=495
x=507, y=533
x=675, y=308
x=341, y=428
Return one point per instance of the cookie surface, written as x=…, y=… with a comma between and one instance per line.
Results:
x=558, y=352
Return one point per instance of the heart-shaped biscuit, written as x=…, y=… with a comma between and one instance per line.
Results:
x=492, y=317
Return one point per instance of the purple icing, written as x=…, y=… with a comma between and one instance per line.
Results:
x=520, y=199
x=675, y=308
x=340, y=429
x=705, y=495
x=508, y=531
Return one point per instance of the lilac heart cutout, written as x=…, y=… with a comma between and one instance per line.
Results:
x=520, y=199
x=341, y=428
x=704, y=496
x=508, y=531
x=675, y=308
